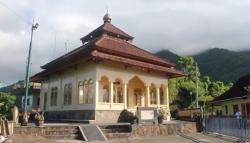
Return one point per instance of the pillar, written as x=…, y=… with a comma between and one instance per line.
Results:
x=158, y=96
x=168, y=115
x=111, y=92
x=96, y=92
x=148, y=96
x=125, y=95
x=167, y=97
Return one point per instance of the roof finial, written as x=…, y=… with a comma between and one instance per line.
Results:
x=107, y=17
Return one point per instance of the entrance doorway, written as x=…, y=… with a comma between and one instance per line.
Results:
x=136, y=93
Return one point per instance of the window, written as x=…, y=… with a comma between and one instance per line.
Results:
x=45, y=101
x=153, y=96
x=248, y=109
x=90, y=91
x=38, y=101
x=82, y=99
x=235, y=108
x=104, y=90
x=245, y=108
x=118, y=92
x=161, y=96
x=67, y=94
x=86, y=91
x=28, y=102
x=226, y=109
x=53, y=97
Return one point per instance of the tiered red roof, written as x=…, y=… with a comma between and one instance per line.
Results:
x=109, y=43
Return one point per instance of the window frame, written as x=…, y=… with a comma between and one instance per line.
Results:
x=53, y=96
x=67, y=94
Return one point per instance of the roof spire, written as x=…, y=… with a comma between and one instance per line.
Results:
x=107, y=17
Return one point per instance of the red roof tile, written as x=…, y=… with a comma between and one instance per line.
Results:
x=107, y=28
x=168, y=71
x=126, y=49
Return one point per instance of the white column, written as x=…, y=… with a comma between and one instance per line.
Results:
x=96, y=93
x=148, y=96
x=111, y=92
x=125, y=95
x=168, y=116
x=158, y=96
x=167, y=97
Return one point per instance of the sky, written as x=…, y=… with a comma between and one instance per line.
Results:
x=185, y=27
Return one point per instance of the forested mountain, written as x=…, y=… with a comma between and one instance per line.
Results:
x=219, y=64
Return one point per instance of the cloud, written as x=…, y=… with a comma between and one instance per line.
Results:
x=185, y=27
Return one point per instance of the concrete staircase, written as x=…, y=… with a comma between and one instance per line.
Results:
x=113, y=132
x=63, y=132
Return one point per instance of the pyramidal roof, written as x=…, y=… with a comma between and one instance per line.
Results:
x=109, y=43
x=109, y=29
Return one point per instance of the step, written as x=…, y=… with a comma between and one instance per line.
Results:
x=61, y=132
x=60, y=127
x=73, y=136
x=112, y=136
x=115, y=130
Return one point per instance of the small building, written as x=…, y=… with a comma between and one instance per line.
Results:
x=17, y=89
x=236, y=98
x=104, y=76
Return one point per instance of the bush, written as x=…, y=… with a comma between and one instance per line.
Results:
x=127, y=117
x=7, y=102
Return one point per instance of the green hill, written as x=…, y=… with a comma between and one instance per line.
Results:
x=219, y=64
x=166, y=54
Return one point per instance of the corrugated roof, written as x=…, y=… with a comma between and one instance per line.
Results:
x=236, y=91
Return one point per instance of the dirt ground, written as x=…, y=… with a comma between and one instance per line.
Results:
x=165, y=139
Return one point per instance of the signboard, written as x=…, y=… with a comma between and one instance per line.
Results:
x=147, y=115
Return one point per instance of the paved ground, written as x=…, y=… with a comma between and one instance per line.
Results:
x=165, y=139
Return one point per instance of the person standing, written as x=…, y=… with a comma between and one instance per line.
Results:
x=238, y=116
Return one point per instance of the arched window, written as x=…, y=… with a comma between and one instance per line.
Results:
x=67, y=94
x=118, y=91
x=86, y=91
x=153, y=95
x=104, y=89
x=81, y=92
x=90, y=91
x=53, y=96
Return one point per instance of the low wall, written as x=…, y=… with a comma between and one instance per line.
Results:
x=70, y=115
x=137, y=130
x=36, y=131
x=107, y=116
x=164, y=129
x=95, y=116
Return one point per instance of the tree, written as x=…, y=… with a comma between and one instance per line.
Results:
x=186, y=86
x=183, y=90
x=188, y=65
x=7, y=101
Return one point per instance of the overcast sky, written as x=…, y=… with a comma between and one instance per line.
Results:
x=182, y=26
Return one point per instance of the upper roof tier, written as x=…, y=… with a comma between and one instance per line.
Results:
x=109, y=29
x=109, y=43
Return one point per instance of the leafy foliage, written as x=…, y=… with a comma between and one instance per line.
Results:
x=183, y=90
x=7, y=101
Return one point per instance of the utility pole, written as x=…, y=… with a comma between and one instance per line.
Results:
x=197, y=86
x=33, y=27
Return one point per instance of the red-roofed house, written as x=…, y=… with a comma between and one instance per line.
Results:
x=104, y=76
